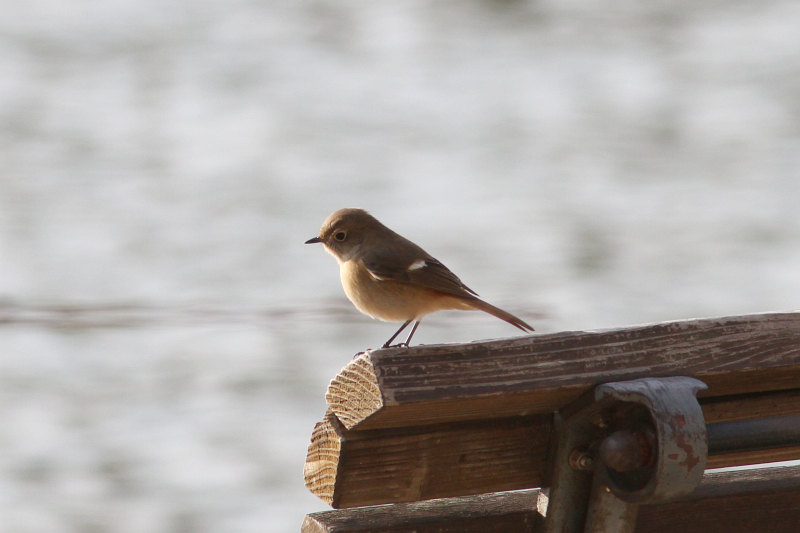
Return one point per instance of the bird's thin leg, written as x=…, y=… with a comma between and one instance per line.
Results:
x=413, y=330
x=396, y=333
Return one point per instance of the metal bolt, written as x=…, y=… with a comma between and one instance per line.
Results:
x=580, y=460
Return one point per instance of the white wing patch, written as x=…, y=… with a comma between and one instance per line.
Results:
x=416, y=265
x=375, y=276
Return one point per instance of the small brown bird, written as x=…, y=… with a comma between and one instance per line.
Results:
x=388, y=277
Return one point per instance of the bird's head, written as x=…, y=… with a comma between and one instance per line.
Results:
x=344, y=232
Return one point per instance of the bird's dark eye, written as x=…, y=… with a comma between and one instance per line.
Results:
x=340, y=236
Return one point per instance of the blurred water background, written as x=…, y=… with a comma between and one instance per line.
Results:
x=166, y=338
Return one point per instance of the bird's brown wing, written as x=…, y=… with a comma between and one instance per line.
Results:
x=426, y=271
x=423, y=270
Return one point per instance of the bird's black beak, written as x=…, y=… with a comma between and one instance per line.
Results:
x=313, y=240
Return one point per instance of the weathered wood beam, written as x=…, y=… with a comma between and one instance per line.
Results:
x=744, y=501
x=505, y=512
x=348, y=468
x=762, y=500
x=352, y=468
x=539, y=374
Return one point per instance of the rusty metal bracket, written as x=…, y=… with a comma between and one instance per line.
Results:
x=628, y=443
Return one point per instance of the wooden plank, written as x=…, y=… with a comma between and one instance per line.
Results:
x=749, y=406
x=539, y=374
x=753, y=457
x=324, y=458
x=763, y=500
x=352, y=468
x=347, y=468
x=484, y=513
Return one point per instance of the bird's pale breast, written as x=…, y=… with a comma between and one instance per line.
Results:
x=391, y=300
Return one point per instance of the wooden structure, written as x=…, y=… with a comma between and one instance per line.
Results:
x=473, y=437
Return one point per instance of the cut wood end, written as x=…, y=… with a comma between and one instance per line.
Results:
x=353, y=395
x=322, y=459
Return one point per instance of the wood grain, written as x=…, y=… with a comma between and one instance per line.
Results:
x=324, y=458
x=539, y=374
x=358, y=384
x=485, y=513
x=352, y=468
x=347, y=468
x=763, y=500
x=440, y=421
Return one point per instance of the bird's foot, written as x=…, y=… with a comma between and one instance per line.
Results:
x=398, y=345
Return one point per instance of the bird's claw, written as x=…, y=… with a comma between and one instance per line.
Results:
x=398, y=345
